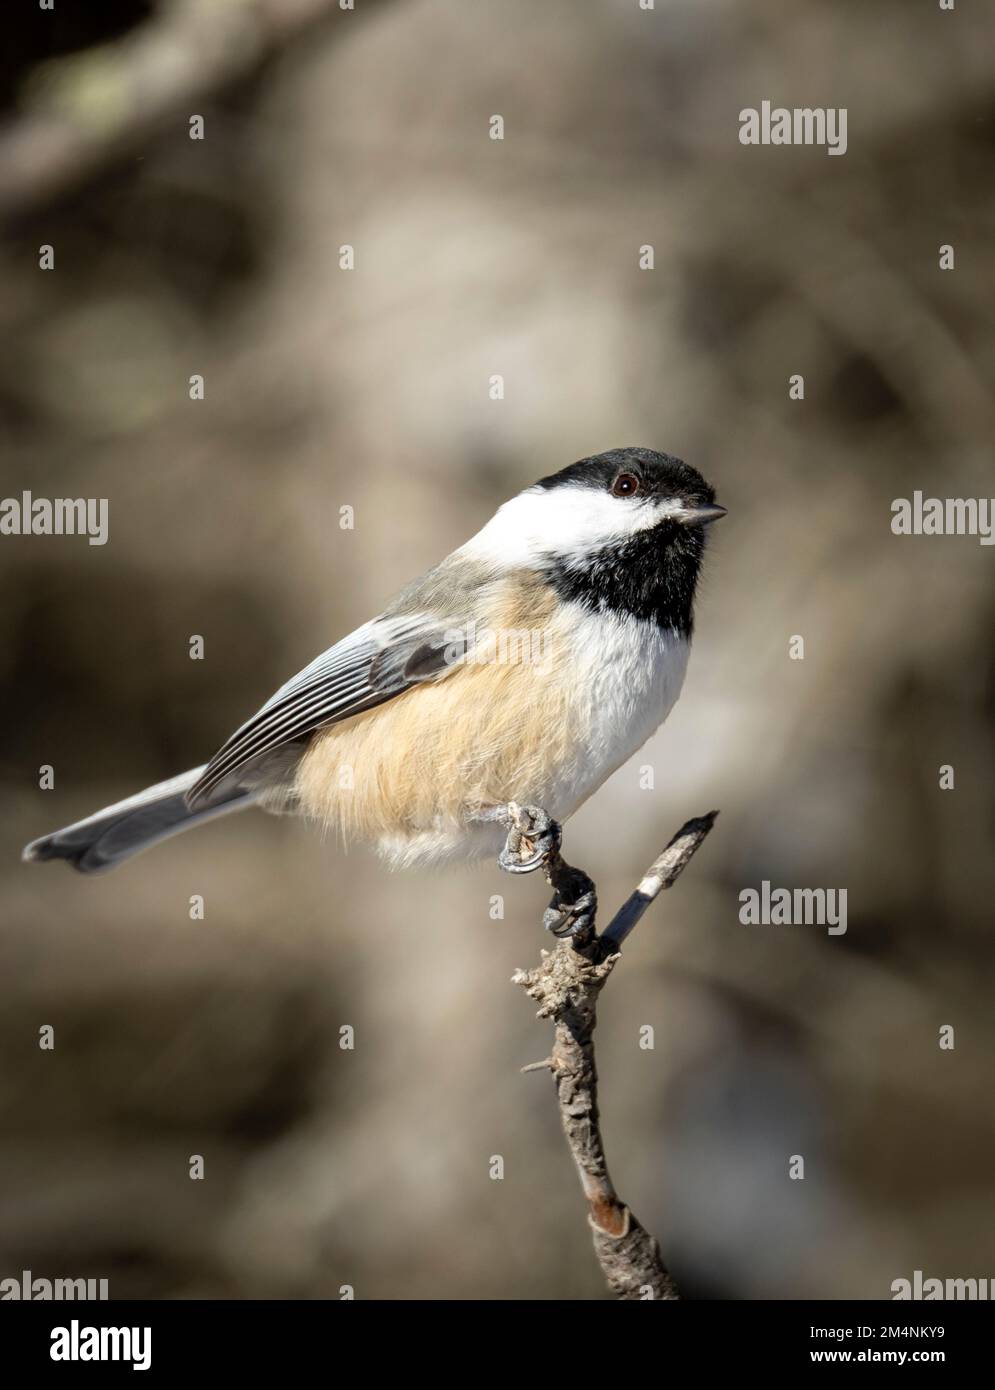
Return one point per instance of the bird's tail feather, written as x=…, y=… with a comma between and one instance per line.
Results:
x=119, y=831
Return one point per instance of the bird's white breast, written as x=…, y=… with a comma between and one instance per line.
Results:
x=627, y=674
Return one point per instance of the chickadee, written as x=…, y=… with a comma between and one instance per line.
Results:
x=525, y=668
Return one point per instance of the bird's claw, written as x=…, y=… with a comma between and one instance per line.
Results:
x=575, y=918
x=533, y=836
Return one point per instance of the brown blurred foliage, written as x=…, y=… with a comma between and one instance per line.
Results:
x=220, y=1037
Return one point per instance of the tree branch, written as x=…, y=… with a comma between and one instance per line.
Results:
x=566, y=985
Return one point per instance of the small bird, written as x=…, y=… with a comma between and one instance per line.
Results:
x=523, y=670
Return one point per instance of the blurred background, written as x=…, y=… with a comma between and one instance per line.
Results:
x=324, y=388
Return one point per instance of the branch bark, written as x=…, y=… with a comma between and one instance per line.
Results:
x=566, y=984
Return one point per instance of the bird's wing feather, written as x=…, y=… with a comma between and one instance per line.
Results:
x=373, y=664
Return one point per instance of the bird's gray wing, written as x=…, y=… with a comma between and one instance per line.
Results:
x=373, y=664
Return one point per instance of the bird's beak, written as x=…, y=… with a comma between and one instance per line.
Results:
x=699, y=516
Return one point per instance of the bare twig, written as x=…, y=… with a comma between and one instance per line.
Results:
x=566, y=985
x=662, y=873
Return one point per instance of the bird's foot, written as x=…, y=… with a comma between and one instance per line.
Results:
x=533, y=837
x=574, y=905
x=534, y=843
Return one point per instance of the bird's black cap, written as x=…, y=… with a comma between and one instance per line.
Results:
x=660, y=475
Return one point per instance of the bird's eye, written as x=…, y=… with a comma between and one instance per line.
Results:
x=625, y=485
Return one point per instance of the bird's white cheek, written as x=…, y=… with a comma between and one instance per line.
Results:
x=569, y=522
